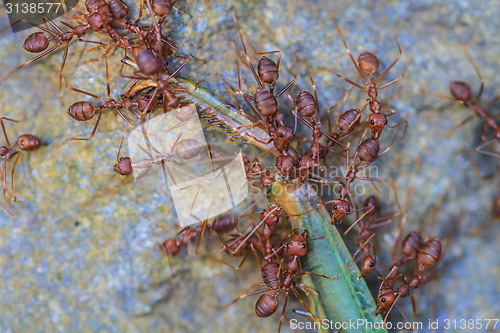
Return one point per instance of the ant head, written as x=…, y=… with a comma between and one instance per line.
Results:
x=267, y=181
x=286, y=163
x=282, y=137
x=497, y=133
x=143, y=101
x=306, y=163
x=4, y=150
x=385, y=299
x=373, y=203
x=123, y=166
x=368, y=62
x=268, y=70
x=170, y=246
x=340, y=208
x=461, y=91
x=271, y=215
x=368, y=265
x=377, y=121
x=297, y=246
x=96, y=22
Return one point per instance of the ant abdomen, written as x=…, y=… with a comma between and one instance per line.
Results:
x=461, y=91
x=81, y=111
x=268, y=70
x=225, y=223
x=429, y=253
x=28, y=142
x=411, y=245
x=368, y=62
x=36, y=42
x=271, y=275
x=368, y=150
x=163, y=7
x=348, y=120
x=265, y=102
x=146, y=60
x=266, y=305
x=306, y=104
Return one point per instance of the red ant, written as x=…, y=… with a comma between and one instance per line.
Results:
x=462, y=93
x=38, y=42
x=368, y=64
x=26, y=142
x=281, y=281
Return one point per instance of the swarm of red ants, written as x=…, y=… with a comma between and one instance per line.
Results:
x=276, y=253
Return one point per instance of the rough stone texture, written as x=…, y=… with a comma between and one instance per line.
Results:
x=82, y=255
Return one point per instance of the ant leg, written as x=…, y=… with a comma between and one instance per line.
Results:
x=8, y=211
x=392, y=142
x=469, y=56
x=61, y=73
x=350, y=55
x=405, y=122
x=12, y=174
x=81, y=91
x=3, y=128
x=243, y=296
x=246, y=61
x=385, y=85
x=473, y=163
x=463, y=122
x=390, y=66
x=30, y=61
x=301, y=301
x=283, y=311
x=227, y=264
x=93, y=131
x=319, y=275
x=479, y=148
x=493, y=101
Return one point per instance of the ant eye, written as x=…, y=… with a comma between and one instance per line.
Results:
x=101, y=26
x=335, y=207
x=281, y=135
x=371, y=264
x=386, y=121
x=122, y=173
x=383, y=300
x=348, y=209
x=303, y=246
x=372, y=122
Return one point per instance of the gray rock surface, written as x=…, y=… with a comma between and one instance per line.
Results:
x=82, y=253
